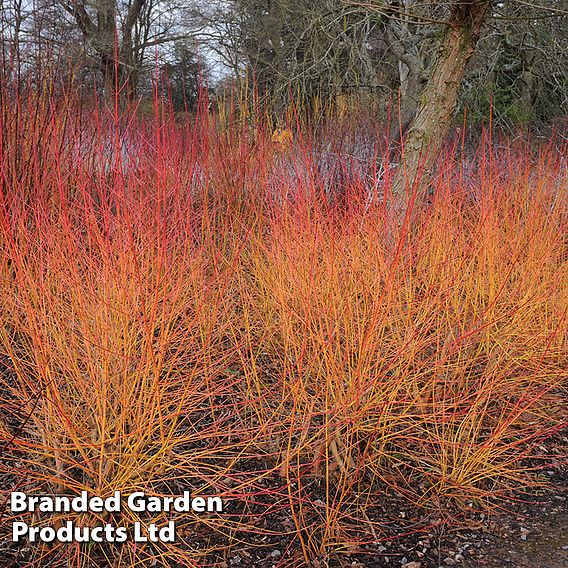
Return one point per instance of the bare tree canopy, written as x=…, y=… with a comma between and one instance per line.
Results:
x=305, y=51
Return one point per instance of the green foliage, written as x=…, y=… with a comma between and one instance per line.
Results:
x=500, y=102
x=184, y=74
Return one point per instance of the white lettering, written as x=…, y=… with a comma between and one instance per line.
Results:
x=137, y=502
x=18, y=502
x=198, y=504
x=214, y=505
x=167, y=533
x=18, y=530
x=138, y=537
x=112, y=504
x=183, y=504
x=47, y=534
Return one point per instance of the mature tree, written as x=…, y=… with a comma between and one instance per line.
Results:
x=185, y=76
x=438, y=100
x=430, y=91
x=117, y=33
x=413, y=43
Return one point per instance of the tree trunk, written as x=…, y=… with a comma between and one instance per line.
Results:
x=528, y=56
x=432, y=122
x=97, y=21
x=411, y=69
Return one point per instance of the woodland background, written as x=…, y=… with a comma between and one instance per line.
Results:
x=317, y=53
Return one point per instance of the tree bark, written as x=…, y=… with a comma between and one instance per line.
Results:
x=411, y=67
x=438, y=100
x=116, y=54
